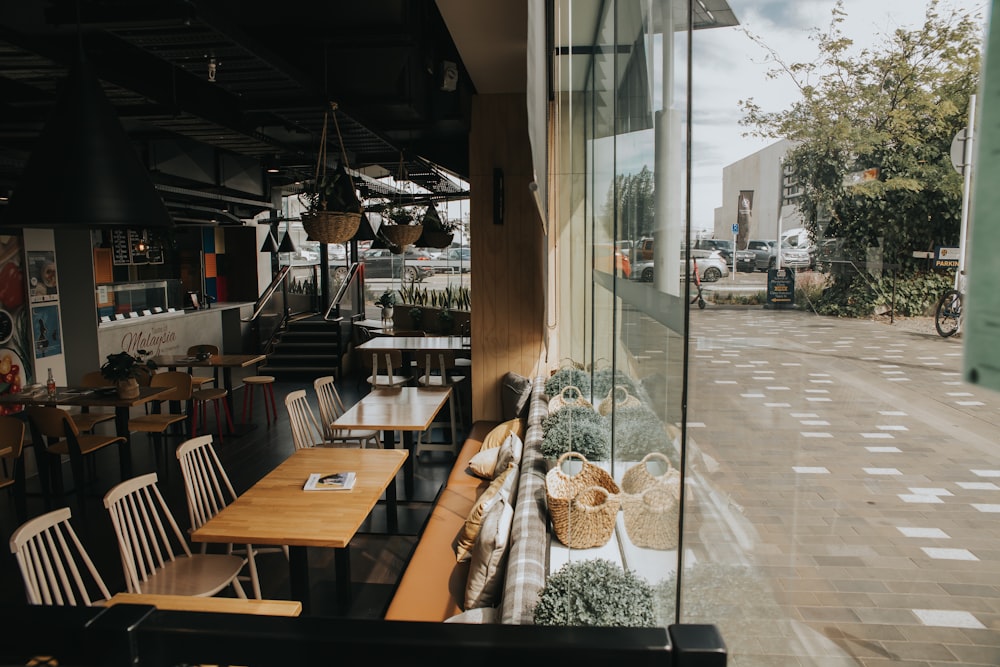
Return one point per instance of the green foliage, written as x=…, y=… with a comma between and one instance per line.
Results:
x=595, y=593
x=446, y=321
x=331, y=192
x=123, y=366
x=631, y=199
x=859, y=295
x=895, y=108
x=638, y=431
x=416, y=317
x=386, y=299
x=567, y=376
x=454, y=297
x=605, y=378
x=578, y=429
x=395, y=214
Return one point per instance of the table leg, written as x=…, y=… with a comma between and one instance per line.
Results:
x=389, y=442
x=125, y=448
x=298, y=571
x=342, y=566
x=391, y=516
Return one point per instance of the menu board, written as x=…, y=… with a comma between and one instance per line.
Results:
x=121, y=252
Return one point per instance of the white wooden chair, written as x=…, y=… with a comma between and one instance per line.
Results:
x=155, y=556
x=208, y=491
x=306, y=431
x=385, y=368
x=330, y=408
x=438, y=369
x=54, y=564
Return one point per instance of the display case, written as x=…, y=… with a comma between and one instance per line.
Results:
x=119, y=301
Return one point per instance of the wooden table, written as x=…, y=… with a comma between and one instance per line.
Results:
x=210, y=604
x=406, y=409
x=277, y=511
x=94, y=398
x=415, y=343
x=227, y=362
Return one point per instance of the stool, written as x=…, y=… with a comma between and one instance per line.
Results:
x=201, y=397
x=266, y=383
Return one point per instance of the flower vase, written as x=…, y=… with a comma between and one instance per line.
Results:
x=386, y=317
x=128, y=388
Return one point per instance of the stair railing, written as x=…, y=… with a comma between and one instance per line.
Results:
x=333, y=310
x=270, y=311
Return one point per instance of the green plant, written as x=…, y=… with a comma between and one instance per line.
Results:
x=387, y=299
x=638, y=431
x=331, y=192
x=124, y=366
x=595, y=593
x=578, y=429
x=396, y=214
x=416, y=317
x=446, y=320
x=605, y=378
x=567, y=376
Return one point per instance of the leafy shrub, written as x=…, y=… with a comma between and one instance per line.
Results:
x=567, y=376
x=605, y=379
x=577, y=429
x=595, y=593
x=638, y=431
x=861, y=296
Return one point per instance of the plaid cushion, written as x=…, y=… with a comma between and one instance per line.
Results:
x=529, y=549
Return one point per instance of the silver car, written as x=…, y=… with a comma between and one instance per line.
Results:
x=711, y=266
x=795, y=258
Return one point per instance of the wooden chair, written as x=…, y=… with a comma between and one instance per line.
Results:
x=85, y=419
x=438, y=369
x=157, y=423
x=330, y=408
x=208, y=491
x=54, y=434
x=266, y=384
x=200, y=399
x=155, y=556
x=199, y=381
x=385, y=368
x=306, y=431
x=54, y=565
x=12, y=470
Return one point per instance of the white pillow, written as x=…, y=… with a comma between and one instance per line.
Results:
x=485, y=582
x=478, y=616
x=488, y=463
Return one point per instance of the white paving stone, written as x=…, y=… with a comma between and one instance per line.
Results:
x=989, y=509
x=919, y=498
x=929, y=533
x=892, y=427
x=815, y=434
x=882, y=471
x=814, y=422
x=986, y=473
x=930, y=491
x=884, y=450
x=979, y=486
x=892, y=413
x=948, y=554
x=945, y=618
x=878, y=436
x=811, y=470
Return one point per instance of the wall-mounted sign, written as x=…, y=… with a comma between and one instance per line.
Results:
x=120, y=253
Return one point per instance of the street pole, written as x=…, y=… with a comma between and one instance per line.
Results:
x=966, y=192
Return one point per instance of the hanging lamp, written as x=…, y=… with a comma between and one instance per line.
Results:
x=84, y=172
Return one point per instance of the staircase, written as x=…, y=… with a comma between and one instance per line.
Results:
x=306, y=348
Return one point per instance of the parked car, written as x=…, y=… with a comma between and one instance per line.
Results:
x=724, y=246
x=452, y=260
x=711, y=266
x=413, y=265
x=759, y=255
x=795, y=258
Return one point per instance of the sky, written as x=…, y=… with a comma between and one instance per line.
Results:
x=729, y=67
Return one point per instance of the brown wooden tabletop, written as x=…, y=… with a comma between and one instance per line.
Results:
x=414, y=343
x=210, y=604
x=276, y=510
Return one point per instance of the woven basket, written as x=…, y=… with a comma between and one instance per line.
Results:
x=638, y=478
x=582, y=506
x=651, y=518
x=401, y=235
x=331, y=226
x=651, y=504
x=618, y=397
x=560, y=401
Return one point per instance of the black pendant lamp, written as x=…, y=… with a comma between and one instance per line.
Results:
x=287, y=245
x=269, y=245
x=84, y=172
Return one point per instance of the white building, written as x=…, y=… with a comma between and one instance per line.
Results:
x=771, y=194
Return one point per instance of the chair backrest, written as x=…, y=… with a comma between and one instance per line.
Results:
x=51, y=422
x=306, y=431
x=179, y=382
x=55, y=566
x=382, y=364
x=206, y=483
x=148, y=536
x=330, y=404
x=12, y=435
x=436, y=363
x=95, y=379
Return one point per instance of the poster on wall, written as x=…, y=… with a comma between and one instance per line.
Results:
x=45, y=326
x=15, y=336
x=42, y=279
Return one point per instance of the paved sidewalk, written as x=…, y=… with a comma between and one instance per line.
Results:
x=860, y=486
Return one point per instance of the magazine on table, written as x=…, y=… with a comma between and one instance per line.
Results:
x=338, y=481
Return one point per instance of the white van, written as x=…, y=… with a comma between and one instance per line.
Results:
x=801, y=239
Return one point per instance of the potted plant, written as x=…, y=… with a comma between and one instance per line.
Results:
x=400, y=226
x=333, y=210
x=446, y=320
x=386, y=301
x=436, y=233
x=595, y=592
x=416, y=317
x=578, y=429
x=125, y=370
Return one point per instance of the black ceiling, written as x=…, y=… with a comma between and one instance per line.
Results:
x=278, y=67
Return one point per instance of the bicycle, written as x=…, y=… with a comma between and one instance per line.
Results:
x=948, y=314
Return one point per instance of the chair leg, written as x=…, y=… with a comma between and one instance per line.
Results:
x=269, y=391
x=229, y=417
x=247, y=399
x=252, y=566
x=218, y=418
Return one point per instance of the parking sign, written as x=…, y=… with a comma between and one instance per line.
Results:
x=736, y=228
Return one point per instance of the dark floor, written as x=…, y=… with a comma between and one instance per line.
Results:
x=377, y=559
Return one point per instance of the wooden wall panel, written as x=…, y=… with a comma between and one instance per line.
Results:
x=508, y=282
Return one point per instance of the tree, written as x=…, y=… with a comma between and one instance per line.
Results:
x=890, y=111
x=635, y=203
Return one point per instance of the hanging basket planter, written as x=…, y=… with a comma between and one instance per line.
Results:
x=401, y=235
x=331, y=226
x=432, y=239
